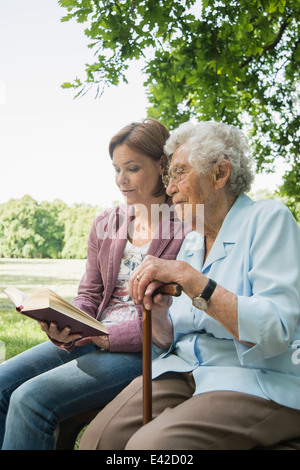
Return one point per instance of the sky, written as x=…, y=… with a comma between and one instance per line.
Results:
x=53, y=146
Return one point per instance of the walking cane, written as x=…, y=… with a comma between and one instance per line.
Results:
x=168, y=289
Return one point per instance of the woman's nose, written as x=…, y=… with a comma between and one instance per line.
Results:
x=122, y=178
x=171, y=188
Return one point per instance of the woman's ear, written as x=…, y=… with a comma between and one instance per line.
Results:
x=164, y=163
x=221, y=174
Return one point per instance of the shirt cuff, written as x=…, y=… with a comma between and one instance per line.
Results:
x=125, y=337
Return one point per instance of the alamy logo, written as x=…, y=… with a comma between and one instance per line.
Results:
x=296, y=354
x=183, y=217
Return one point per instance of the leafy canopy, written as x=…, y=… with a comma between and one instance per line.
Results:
x=234, y=61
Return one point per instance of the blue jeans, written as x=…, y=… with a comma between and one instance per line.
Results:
x=45, y=385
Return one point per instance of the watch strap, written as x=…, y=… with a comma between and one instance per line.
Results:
x=210, y=287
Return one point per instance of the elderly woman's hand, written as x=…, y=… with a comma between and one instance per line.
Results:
x=152, y=273
x=162, y=327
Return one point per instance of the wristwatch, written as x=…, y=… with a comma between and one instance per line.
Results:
x=201, y=301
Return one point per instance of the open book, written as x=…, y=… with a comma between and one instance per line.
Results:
x=46, y=305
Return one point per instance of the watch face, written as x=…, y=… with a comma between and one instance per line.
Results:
x=199, y=303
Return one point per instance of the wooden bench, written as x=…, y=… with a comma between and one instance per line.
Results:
x=69, y=429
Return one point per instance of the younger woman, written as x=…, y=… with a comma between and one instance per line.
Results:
x=68, y=375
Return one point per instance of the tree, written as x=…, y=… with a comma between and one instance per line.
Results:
x=29, y=229
x=234, y=61
x=78, y=222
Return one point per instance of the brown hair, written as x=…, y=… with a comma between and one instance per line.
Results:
x=148, y=137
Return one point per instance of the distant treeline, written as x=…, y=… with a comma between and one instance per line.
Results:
x=29, y=229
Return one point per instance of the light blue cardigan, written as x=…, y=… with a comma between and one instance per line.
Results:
x=257, y=256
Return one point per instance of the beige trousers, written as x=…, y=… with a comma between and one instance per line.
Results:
x=214, y=420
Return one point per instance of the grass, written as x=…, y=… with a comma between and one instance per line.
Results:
x=18, y=332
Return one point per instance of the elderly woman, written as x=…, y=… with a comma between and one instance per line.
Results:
x=228, y=376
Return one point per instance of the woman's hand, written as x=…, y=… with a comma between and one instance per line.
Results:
x=100, y=341
x=66, y=337
x=62, y=336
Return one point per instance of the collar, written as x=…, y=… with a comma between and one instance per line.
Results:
x=230, y=229
x=194, y=246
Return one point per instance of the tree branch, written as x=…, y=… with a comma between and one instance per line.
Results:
x=279, y=35
x=273, y=44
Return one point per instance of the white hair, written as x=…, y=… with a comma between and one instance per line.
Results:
x=208, y=142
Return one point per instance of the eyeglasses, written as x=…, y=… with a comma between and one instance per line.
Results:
x=175, y=173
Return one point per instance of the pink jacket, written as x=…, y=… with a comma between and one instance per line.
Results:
x=106, y=243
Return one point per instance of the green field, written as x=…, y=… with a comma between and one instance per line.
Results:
x=18, y=332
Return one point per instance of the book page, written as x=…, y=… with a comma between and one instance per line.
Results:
x=16, y=296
